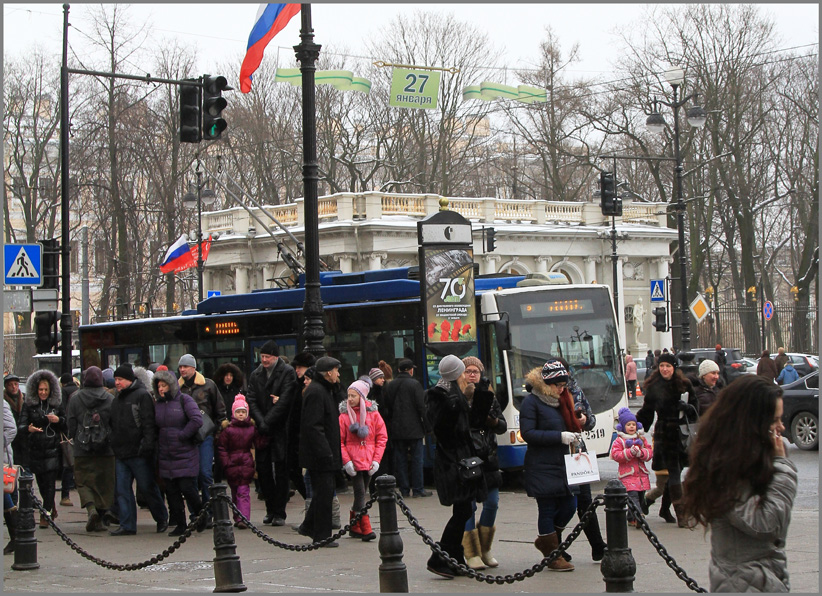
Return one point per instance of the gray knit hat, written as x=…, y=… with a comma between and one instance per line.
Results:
x=187, y=360
x=451, y=368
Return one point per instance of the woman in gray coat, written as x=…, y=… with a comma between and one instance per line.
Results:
x=743, y=486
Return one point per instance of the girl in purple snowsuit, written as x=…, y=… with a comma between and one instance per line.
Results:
x=234, y=445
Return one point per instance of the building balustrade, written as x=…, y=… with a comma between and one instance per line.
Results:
x=375, y=205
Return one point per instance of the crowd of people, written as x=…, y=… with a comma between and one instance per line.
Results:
x=294, y=425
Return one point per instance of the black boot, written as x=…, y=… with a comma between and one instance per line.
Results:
x=665, y=507
x=594, y=536
x=439, y=566
x=10, y=516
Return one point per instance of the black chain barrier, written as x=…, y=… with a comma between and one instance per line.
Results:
x=663, y=552
x=302, y=547
x=193, y=526
x=464, y=570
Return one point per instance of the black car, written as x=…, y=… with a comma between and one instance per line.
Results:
x=735, y=364
x=801, y=414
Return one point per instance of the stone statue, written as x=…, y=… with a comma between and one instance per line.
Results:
x=638, y=319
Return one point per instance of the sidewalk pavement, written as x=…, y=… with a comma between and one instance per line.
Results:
x=354, y=567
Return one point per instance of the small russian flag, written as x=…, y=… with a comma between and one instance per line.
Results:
x=271, y=18
x=178, y=257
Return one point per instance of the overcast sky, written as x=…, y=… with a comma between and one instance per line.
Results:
x=220, y=31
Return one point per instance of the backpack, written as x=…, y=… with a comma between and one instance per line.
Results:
x=93, y=434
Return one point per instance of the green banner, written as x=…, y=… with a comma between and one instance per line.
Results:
x=414, y=88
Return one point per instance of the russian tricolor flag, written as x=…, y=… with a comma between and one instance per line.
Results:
x=178, y=257
x=271, y=18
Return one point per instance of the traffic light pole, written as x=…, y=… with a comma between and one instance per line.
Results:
x=65, y=319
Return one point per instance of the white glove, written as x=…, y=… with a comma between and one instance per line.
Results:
x=635, y=450
x=374, y=467
x=568, y=438
x=349, y=469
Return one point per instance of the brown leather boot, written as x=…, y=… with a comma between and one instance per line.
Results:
x=676, y=494
x=548, y=544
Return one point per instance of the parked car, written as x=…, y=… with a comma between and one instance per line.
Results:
x=640, y=371
x=751, y=370
x=735, y=363
x=801, y=411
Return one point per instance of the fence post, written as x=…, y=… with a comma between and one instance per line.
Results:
x=618, y=566
x=25, y=544
x=393, y=572
x=228, y=573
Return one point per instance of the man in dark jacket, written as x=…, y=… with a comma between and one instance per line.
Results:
x=210, y=402
x=404, y=411
x=67, y=387
x=271, y=390
x=320, y=446
x=133, y=440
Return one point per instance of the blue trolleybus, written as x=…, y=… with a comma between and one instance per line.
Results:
x=377, y=315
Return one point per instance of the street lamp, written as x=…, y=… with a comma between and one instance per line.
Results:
x=196, y=199
x=656, y=123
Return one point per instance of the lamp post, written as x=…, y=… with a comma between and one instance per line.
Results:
x=656, y=123
x=191, y=200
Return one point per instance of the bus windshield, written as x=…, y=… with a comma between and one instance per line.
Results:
x=575, y=323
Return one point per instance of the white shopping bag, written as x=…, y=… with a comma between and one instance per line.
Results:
x=581, y=468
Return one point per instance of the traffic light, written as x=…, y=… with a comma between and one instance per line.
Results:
x=490, y=240
x=190, y=113
x=46, y=336
x=51, y=264
x=609, y=202
x=661, y=318
x=213, y=104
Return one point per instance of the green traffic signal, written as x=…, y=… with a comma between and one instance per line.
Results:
x=213, y=105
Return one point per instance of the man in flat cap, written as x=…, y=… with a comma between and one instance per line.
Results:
x=320, y=446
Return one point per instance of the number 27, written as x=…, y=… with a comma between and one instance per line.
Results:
x=411, y=86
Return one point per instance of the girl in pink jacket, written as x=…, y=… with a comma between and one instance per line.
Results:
x=362, y=441
x=630, y=450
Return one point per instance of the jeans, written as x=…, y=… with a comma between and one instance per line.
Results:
x=66, y=482
x=206, y=477
x=636, y=498
x=401, y=465
x=554, y=512
x=488, y=517
x=137, y=468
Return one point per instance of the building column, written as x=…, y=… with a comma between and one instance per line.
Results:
x=268, y=276
x=207, y=282
x=662, y=267
x=375, y=260
x=346, y=263
x=591, y=269
x=489, y=264
x=543, y=263
x=240, y=278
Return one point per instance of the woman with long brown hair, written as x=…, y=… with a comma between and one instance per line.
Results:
x=668, y=396
x=741, y=484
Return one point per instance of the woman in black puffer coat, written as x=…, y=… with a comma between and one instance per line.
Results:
x=42, y=419
x=451, y=418
x=668, y=395
x=230, y=380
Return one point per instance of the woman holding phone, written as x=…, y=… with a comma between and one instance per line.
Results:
x=742, y=485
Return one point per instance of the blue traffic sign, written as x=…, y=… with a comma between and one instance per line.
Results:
x=213, y=293
x=23, y=264
x=657, y=290
x=767, y=310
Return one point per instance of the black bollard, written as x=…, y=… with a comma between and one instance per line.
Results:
x=228, y=573
x=393, y=572
x=25, y=544
x=618, y=565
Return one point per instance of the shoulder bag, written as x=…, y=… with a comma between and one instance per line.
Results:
x=67, y=446
x=206, y=430
x=688, y=426
x=10, y=474
x=470, y=468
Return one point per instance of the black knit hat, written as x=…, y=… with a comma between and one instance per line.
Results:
x=271, y=348
x=124, y=371
x=305, y=359
x=668, y=358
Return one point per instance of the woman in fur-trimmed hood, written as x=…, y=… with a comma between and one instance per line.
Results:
x=230, y=380
x=42, y=419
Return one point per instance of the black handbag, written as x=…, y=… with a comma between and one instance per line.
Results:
x=688, y=426
x=470, y=468
x=206, y=430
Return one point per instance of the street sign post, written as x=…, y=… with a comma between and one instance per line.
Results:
x=23, y=264
x=17, y=300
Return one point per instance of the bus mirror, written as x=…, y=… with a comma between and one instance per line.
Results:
x=503, y=334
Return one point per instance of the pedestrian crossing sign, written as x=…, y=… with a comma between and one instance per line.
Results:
x=23, y=264
x=657, y=290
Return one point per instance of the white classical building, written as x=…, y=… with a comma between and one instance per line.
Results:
x=375, y=230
